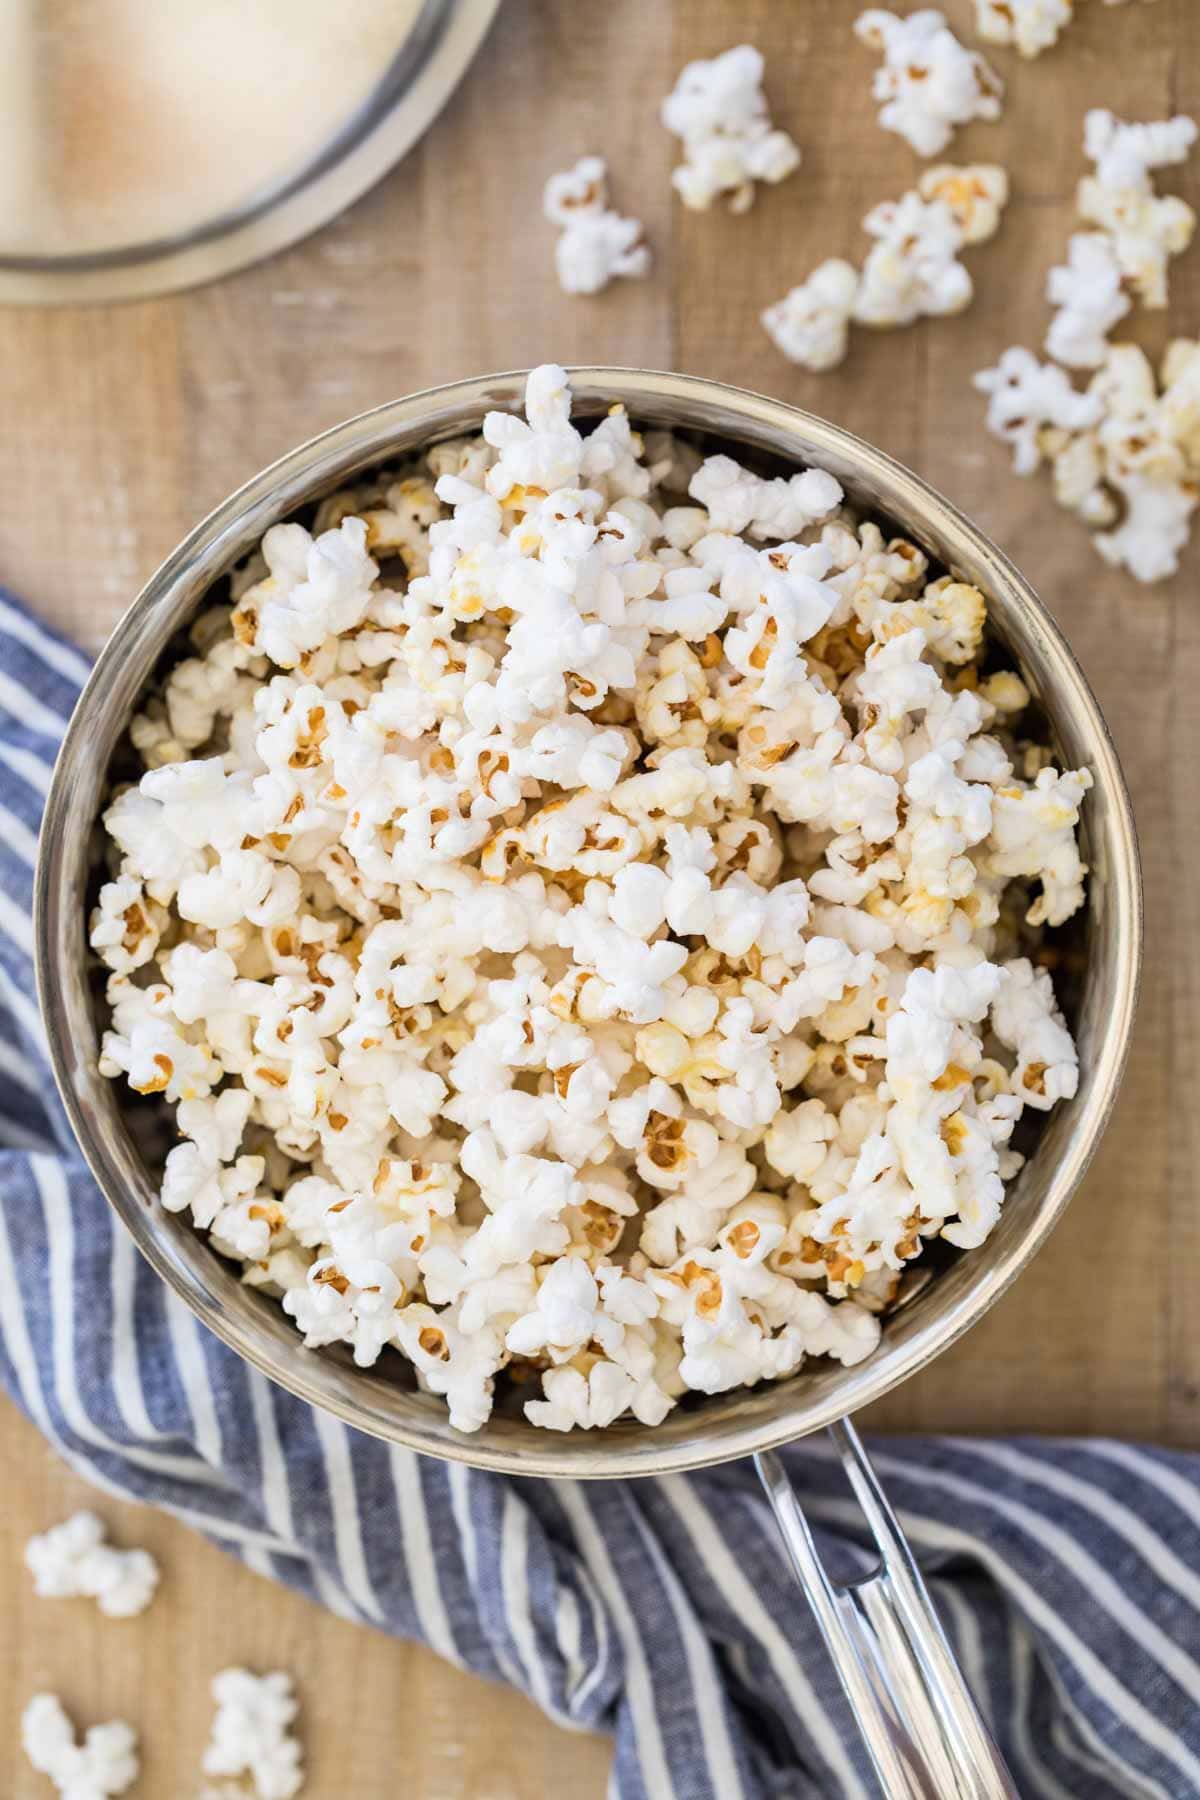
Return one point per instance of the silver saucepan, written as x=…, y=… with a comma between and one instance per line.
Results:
x=922, y=1729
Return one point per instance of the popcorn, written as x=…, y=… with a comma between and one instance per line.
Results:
x=929, y=84
x=314, y=589
x=1026, y=1019
x=912, y=270
x=719, y=112
x=104, y=1764
x=1144, y=229
x=570, y=1312
x=1124, y=455
x=796, y=1141
x=739, y=502
x=571, y=967
x=1156, y=526
x=73, y=1559
x=126, y=925
x=251, y=1733
x=976, y=194
x=1089, y=296
x=1027, y=400
x=1033, y=836
x=1030, y=25
x=811, y=324
x=459, y=1365
x=596, y=244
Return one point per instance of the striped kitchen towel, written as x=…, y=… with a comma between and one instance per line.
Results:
x=1068, y=1573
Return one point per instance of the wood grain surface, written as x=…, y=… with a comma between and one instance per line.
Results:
x=123, y=426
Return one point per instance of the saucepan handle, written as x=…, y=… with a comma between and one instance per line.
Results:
x=920, y=1724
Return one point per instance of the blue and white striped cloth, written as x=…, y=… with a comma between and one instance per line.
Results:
x=1067, y=1573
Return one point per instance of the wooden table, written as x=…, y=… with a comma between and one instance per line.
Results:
x=124, y=426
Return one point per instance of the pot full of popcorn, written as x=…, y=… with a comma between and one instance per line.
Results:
x=590, y=926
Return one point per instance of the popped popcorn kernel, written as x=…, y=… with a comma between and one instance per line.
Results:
x=719, y=112
x=911, y=271
x=596, y=245
x=73, y=1559
x=251, y=1734
x=103, y=1765
x=929, y=84
x=1031, y=26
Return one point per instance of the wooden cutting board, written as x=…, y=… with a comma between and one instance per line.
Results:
x=123, y=426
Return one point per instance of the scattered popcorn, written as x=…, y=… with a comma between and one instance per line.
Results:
x=811, y=324
x=1137, y=233
x=929, y=83
x=1089, y=296
x=1029, y=403
x=596, y=244
x=1030, y=25
x=104, y=1764
x=73, y=1559
x=569, y=955
x=719, y=112
x=251, y=1733
x=1143, y=228
x=976, y=194
x=911, y=271
x=1124, y=455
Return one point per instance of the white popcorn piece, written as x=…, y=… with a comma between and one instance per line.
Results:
x=125, y=926
x=457, y=1364
x=1145, y=229
x=1025, y=398
x=911, y=271
x=929, y=83
x=578, y=1402
x=976, y=194
x=738, y=501
x=576, y=192
x=313, y=590
x=811, y=324
x=74, y=1559
x=1030, y=26
x=1179, y=404
x=719, y=112
x=1156, y=526
x=567, y=968
x=104, y=1764
x=1089, y=297
x=596, y=245
x=1026, y=1019
x=1033, y=836
x=252, y=1733
x=1125, y=155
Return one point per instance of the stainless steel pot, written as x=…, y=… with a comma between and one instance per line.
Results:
x=919, y=1722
